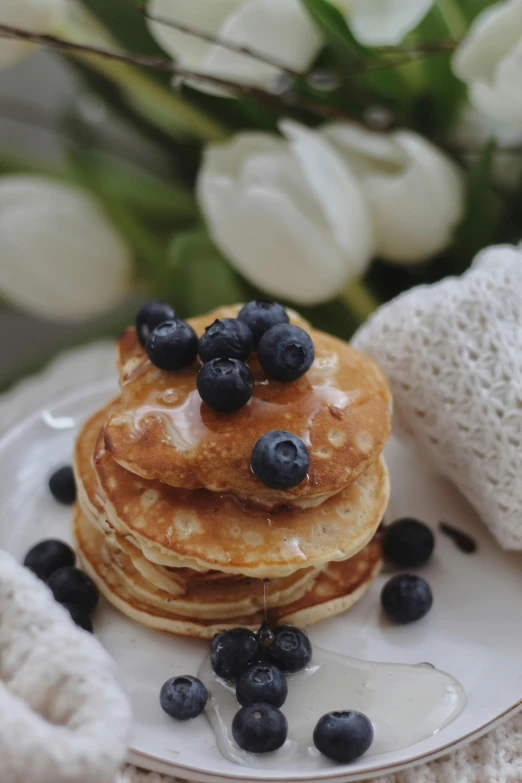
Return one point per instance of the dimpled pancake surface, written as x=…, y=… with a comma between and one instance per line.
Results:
x=162, y=430
x=205, y=530
x=335, y=590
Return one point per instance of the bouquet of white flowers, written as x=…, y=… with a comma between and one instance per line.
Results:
x=330, y=153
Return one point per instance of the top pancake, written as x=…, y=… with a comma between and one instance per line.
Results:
x=208, y=531
x=162, y=430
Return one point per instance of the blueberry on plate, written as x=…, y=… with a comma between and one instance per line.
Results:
x=226, y=338
x=63, y=485
x=408, y=543
x=343, y=736
x=79, y=616
x=280, y=459
x=48, y=556
x=150, y=316
x=406, y=598
x=72, y=586
x=260, y=728
x=233, y=651
x=291, y=649
x=285, y=352
x=172, y=345
x=261, y=314
x=262, y=682
x=183, y=697
x=225, y=384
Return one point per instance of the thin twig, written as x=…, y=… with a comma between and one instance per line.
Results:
x=255, y=54
x=165, y=65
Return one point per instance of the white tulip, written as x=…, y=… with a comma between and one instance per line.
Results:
x=37, y=16
x=279, y=29
x=287, y=213
x=383, y=22
x=60, y=258
x=414, y=193
x=489, y=60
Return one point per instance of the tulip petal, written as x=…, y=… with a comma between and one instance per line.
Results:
x=280, y=29
x=502, y=99
x=364, y=149
x=61, y=258
x=383, y=22
x=337, y=190
x=265, y=216
x=415, y=211
x=204, y=15
x=493, y=33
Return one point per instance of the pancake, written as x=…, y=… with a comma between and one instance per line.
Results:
x=160, y=428
x=335, y=590
x=202, y=599
x=206, y=531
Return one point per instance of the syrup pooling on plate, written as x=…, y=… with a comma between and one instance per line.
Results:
x=405, y=703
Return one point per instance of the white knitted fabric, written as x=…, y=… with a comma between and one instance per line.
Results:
x=63, y=717
x=452, y=353
x=497, y=280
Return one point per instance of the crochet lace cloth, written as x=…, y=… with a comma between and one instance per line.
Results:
x=453, y=354
x=63, y=718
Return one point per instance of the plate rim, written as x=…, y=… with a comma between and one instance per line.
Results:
x=330, y=774
x=340, y=777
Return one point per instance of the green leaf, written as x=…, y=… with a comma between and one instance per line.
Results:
x=332, y=24
x=128, y=26
x=150, y=251
x=381, y=81
x=439, y=92
x=200, y=277
x=479, y=225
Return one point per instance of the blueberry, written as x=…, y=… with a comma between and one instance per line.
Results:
x=172, y=345
x=48, y=556
x=280, y=459
x=406, y=598
x=262, y=682
x=72, y=586
x=63, y=485
x=79, y=616
x=226, y=338
x=259, y=728
x=343, y=736
x=291, y=649
x=285, y=352
x=183, y=697
x=150, y=316
x=225, y=384
x=260, y=315
x=233, y=651
x=408, y=543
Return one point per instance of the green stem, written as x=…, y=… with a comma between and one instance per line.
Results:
x=454, y=17
x=359, y=299
x=160, y=105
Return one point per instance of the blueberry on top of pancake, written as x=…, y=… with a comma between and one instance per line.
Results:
x=161, y=429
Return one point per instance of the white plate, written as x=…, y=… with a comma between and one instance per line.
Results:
x=474, y=630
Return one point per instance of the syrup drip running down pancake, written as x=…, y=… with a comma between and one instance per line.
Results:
x=161, y=429
x=204, y=530
x=336, y=590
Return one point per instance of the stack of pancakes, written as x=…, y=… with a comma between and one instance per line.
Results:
x=177, y=531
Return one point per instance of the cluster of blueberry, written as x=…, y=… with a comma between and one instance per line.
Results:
x=225, y=382
x=407, y=543
x=54, y=561
x=258, y=670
